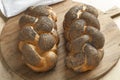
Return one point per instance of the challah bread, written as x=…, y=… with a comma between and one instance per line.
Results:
x=38, y=38
x=84, y=40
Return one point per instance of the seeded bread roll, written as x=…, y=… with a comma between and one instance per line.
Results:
x=84, y=40
x=39, y=38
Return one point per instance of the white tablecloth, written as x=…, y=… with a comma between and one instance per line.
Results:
x=13, y=7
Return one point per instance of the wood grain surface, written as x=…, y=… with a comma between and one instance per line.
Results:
x=12, y=56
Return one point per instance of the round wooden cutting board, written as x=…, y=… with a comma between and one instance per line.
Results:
x=12, y=56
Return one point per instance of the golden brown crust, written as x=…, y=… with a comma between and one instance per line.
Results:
x=47, y=62
x=39, y=38
x=84, y=40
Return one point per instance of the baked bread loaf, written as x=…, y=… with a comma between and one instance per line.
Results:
x=84, y=40
x=38, y=38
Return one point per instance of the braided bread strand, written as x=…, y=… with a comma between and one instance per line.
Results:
x=39, y=38
x=84, y=40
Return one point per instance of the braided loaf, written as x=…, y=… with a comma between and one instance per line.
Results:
x=84, y=40
x=39, y=38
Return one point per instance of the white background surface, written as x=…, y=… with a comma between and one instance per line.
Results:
x=103, y=5
x=13, y=7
